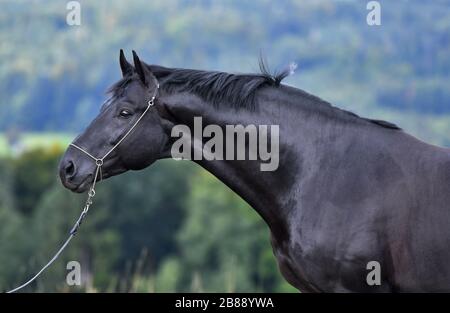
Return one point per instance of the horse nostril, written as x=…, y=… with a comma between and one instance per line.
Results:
x=70, y=169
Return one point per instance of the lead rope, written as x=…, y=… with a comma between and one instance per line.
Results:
x=91, y=194
x=72, y=233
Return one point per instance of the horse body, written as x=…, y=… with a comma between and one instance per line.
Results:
x=348, y=190
x=376, y=202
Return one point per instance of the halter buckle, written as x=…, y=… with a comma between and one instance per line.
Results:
x=98, y=162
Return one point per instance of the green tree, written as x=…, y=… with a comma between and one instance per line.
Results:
x=223, y=244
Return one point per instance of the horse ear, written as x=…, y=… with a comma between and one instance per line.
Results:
x=139, y=68
x=145, y=74
x=126, y=67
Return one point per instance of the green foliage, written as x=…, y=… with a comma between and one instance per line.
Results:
x=169, y=275
x=223, y=243
x=34, y=172
x=10, y=253
x=172, y=227
x=148, y=196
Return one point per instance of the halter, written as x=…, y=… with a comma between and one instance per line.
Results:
x=99, y=161
x=91, y=193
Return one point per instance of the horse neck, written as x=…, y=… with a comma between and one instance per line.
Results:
x=309, y=132
x=266, y=191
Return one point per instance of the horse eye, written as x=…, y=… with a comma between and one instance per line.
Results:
x=125, y=113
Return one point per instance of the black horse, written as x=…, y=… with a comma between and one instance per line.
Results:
x=348, y=190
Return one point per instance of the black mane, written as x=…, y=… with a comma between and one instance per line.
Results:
x=236, y=90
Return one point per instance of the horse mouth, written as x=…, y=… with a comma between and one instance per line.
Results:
x=80, y=187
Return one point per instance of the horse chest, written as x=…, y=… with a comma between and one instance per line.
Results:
x=290, y=266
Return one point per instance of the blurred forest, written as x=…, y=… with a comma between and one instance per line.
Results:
x=174, y=227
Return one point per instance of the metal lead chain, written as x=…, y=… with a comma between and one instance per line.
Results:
x=89, y=201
